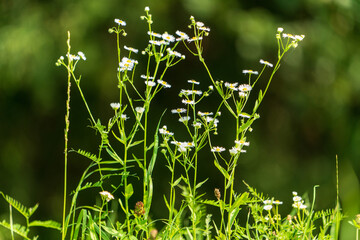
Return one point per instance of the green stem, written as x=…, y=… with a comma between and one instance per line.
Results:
x=67, y=124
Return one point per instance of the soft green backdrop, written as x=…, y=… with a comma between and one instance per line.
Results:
x=312, y=111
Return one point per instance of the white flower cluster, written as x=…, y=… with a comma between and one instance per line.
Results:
x=295, y=39
x=183, y=146
x=298, y=202
x=127, y=64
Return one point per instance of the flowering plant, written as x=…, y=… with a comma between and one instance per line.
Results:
x=129, y=150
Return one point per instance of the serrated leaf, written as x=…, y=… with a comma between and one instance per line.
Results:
x=46, y=224
x=17, y=205
x=88, y=155
x=16, y=228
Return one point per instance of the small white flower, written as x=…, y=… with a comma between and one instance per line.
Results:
x=280, y=29
x=205, y=113
x=82, y=55
x=245, y=88
x=139, y=109
x=158, y=35
x=187, y=101
x=218, y=149
x=242, y=94
x=106, y=195
x=267, y=202
x=163, y=83
x=120, y=22
x=178, y=110
x=242, y=143
x=193, y=82
x=266, y=63
x=190, y=92
x=147, y=9
x=194, y=39
x=165, y=132
x=182, y=35
x=115, y=106
x=244, y=115
x=268, y=207
x=231, y=86
x=123, y=117
x=234, y=150
x=296, y=198
x=150, y=83
x=146, y=77
x=200, y=24
x=184, y=119
x=250, y=72
x=277, y=202
x=131, y=49
x=168, y=37
x=196, y=124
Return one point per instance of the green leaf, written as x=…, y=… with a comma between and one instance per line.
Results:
x=200, y=184
x=16, y=228
x=47, y=224
x=136, y=143
x=17, y=205
x=114, y=156
x=129, y=191
x=222, y=170
x=177, y=181
x=88, y=155
x=81, y=218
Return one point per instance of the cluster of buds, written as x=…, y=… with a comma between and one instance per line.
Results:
x=139, y=208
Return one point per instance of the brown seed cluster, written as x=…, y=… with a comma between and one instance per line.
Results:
x=217, y=193
x=139, y=208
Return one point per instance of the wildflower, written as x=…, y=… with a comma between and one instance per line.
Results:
x=163, y=83
x=280, y=29
x=107, y=196
x=205, y=113
x=242, y=94
x=175, y=53
x=266, y=63
x=218, y=149
x=196, y=124
x=115, y=106
x=268, y=202
x=190, y=92
x=250, y=72
x=245, y=88
x=244, y=115
x=147, y=9
x=217, y=193
x=158, y=35
x=242, y=142
x=120, y=22
x=199, y=24
x=234, y=150
x=139, y=109
x=178, y=110
x=357, y=219
x=194, y=39
x=82, y=55
x=182, y=35
x=123, y=117
x=268, y=207
x=153, y=234
x=131, y=49
x=277, y=202
x=165, y=132
x=126, y=64
x=232, y=86
x=184, y=119
x=193, y=82
x=139, y=208
x=187, y=101
x=159, y=43
x=168, y=37
x=146, y=77
x=298, y=205
x=73, y=57
x=150, y=83
x=297, y=198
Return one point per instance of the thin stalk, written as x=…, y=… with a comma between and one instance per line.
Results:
x=67, y=124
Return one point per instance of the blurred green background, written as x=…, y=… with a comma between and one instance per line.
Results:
x=311, y=113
